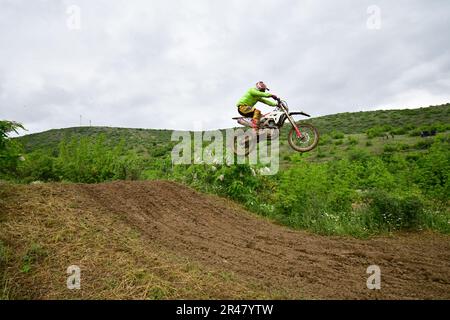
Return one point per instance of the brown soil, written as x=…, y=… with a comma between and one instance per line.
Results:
x=236, y=254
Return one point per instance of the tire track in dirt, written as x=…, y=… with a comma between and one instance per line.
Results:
x=219, y=234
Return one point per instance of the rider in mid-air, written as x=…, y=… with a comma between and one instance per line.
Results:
x=246, y=105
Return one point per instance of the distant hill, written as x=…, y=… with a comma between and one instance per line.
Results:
x=359, y=122
x=157, y=142
x=137, y=139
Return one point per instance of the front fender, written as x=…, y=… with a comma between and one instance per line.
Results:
x=299, y=113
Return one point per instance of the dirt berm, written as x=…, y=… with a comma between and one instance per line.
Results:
x=163, y=240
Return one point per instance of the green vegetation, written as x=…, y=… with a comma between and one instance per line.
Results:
x=4, y=257
x=9, y=149
x=360, y=195
x=371, y=173
x=32, y=256
x=359, y=122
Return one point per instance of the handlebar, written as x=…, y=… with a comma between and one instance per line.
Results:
x=280, y=102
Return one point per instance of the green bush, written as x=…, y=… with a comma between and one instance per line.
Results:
x=399, y=131
x=10, y=150
x=395, y=212
x=358, y=155
x=352, y=141
x=86, y=160
x=423, y=144
x=308, y=196
x=89, y=160
x=378, y=131
x=337, y=135
x=391, y=147
x=38, y=166
x=433, y=172
x=325, y=139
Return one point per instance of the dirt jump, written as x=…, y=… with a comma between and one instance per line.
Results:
x=163, y=240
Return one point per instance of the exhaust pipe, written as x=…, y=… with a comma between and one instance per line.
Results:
x=244, y=122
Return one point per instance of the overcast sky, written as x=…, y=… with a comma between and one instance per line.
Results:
x=176, y=64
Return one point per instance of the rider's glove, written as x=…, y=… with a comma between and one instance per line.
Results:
x=274, y=97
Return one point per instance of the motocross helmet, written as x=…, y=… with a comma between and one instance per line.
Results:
x=261, y=86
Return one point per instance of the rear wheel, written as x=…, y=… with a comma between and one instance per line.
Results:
x=308, y=139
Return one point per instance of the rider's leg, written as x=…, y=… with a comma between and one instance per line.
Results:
x=251, y=112
x=246, y=111
x=256, y=118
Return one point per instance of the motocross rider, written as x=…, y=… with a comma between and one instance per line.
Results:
x=246, y=105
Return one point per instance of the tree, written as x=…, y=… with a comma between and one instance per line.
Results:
x=9, y=149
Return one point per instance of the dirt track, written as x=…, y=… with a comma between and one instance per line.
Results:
x=218, y=233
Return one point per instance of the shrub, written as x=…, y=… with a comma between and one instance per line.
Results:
x=337, y=135
x=395, y=212
x=10, y=150
x=352, y=141
x=90, y=160
x=358, y=154
x=38, y=166
x=391, y=147
x=423, y=144
x=320, y=153
x=378, y=131
x=399, y=131
x=433, y=172
x=325, y=139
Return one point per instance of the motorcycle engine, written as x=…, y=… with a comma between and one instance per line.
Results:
x=267, y=123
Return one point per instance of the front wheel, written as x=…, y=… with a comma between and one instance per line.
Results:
x=307, y=141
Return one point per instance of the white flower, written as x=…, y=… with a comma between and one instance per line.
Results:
x=264, y=170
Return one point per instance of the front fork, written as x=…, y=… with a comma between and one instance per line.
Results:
x=291, y=120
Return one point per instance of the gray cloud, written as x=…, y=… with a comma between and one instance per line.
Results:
x=172, y=64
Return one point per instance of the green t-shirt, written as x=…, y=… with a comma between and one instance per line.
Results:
x=253, y=95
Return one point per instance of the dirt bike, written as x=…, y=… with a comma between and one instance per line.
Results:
x=302, y=137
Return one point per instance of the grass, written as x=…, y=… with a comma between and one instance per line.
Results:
x=4, y=285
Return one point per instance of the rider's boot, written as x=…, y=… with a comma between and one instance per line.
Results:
x=256, y=123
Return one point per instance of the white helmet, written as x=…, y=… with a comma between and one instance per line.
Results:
x=261, y=86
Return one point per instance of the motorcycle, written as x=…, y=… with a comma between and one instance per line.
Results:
x=302, y=137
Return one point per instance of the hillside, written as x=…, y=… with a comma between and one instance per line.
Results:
x=160, y=240
x=157, y=142
x=359, y=122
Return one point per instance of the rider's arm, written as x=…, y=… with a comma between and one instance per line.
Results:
x=268, y=102
x=256, y=93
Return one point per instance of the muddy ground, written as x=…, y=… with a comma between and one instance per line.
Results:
x=262, y=259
